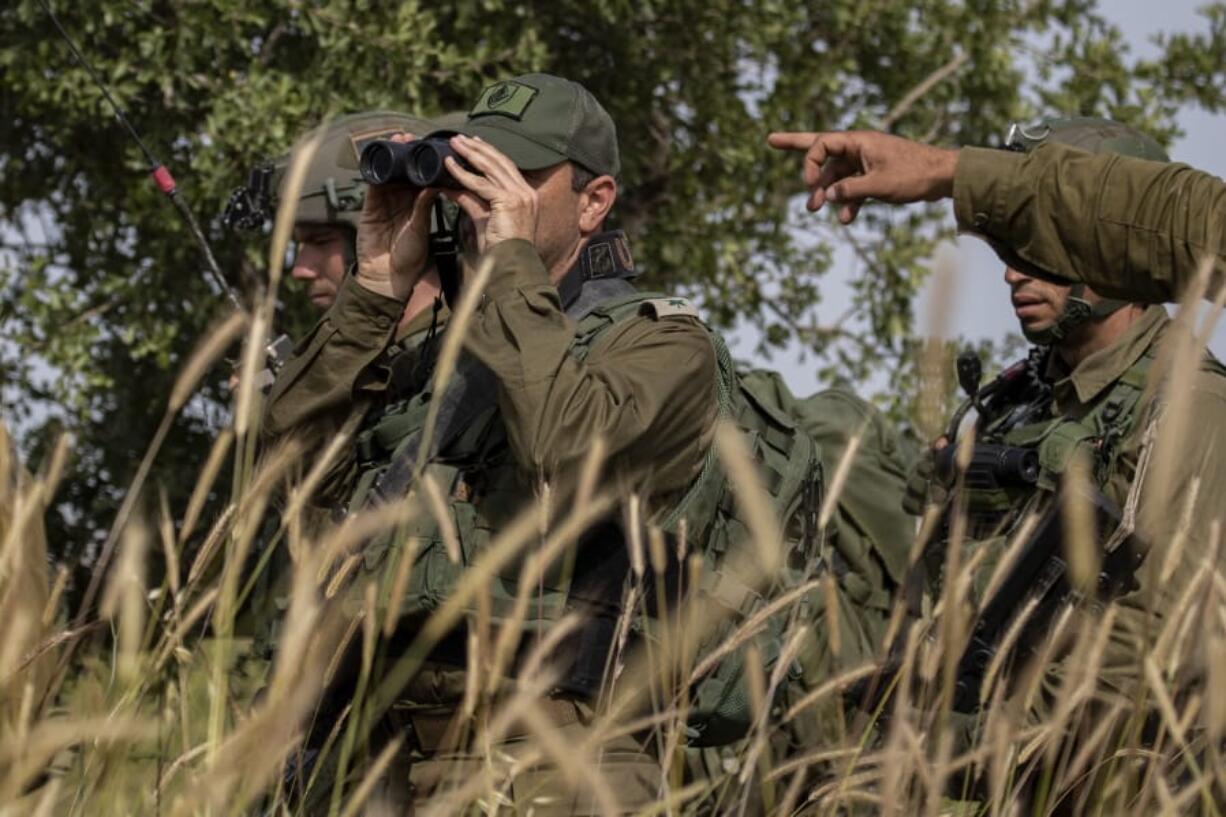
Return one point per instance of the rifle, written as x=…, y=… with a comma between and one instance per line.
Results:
x=1037, y=585
x=1039, y=577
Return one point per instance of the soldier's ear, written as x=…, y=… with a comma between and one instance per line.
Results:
x=595, y=202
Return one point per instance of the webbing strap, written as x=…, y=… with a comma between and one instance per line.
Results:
x=1111, y=417
x=710, y=478
x=472, y=390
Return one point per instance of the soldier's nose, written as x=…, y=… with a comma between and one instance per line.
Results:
x=303, y=270
x=1014, y=277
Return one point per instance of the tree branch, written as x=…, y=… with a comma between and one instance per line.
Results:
x=922, y=88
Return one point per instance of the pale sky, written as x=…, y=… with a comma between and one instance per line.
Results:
x=980, y=308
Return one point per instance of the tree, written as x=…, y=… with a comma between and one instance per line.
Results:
x=101, y=292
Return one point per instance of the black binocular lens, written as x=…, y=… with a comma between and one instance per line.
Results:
x=426, y=164
x=381, y=160
x=419, y=163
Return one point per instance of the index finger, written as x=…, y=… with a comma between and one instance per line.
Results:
x=489, y=161
x=791, y=140
x=819, y=147
x=815, y=155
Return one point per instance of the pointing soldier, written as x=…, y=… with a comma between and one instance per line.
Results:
x=1089, y=396
x=1130, y=227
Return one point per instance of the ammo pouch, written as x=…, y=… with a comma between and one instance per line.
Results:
x=720, y=709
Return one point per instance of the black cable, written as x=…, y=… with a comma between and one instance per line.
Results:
x=161, y=175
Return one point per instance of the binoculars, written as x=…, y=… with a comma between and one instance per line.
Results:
x=418, y=163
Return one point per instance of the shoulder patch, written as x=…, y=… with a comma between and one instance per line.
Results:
x=508, y=98
x=659, y=308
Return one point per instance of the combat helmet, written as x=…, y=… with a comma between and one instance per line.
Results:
x=1093, y=135
x=333, y=190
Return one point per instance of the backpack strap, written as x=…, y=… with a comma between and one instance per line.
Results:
x=703, y=498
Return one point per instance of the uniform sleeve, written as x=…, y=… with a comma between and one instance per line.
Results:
x=327, y=383
x=318, y=383
x=1129, y=228
x=1198, y=477
x=647, y=388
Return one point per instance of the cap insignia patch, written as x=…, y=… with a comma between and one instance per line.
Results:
x=508, y=98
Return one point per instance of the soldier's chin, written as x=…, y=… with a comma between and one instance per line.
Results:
x=1037, y=331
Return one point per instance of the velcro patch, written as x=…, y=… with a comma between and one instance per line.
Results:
x=659, y=308
x=508, y=98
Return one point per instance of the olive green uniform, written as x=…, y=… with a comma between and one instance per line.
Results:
x=646, y=389
x=1175, y=520
x=1127, y=227
x=343, y=368
x=1110, y=217
x=1200, y=461
x=547, y=371
x=646, y=385
x=258, y=624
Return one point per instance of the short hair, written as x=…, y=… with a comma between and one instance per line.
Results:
x=580, y=177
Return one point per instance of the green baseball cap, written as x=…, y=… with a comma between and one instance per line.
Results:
x=539, y=120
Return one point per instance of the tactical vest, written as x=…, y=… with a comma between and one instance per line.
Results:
x=485, y=489
x=994, y=510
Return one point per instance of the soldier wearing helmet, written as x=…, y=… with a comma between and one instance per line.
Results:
x=326, y=218
x=1029, y=203
x=1075, y=201
x=1086, y=394
x=1089, y=397
x=330, y=206
x=1073, y=318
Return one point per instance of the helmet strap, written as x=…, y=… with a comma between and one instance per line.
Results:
x=1107, y=307
x=444, y=249
x=349, y=246
x=1077, y=313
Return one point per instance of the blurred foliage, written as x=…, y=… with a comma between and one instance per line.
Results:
x=102, y=292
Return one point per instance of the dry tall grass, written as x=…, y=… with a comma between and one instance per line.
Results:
x=156, y=712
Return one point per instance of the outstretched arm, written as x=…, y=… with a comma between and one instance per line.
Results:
x=1130, y=228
